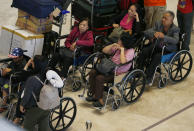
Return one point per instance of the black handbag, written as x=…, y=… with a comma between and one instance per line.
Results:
x=105, y=66
x=65, y=52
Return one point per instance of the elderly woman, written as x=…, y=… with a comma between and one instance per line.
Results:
x=127, y=22
x=123, y=52
x=79, y=36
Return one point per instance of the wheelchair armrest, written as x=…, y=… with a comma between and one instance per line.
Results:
x=125, y=63
x=80, y=48
x=6, y=60
x=63, y=37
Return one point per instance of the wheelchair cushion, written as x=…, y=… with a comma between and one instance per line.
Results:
x=167, y=58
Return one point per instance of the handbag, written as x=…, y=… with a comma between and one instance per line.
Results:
x=105, y=66
x=65, y=52
x=114, y=36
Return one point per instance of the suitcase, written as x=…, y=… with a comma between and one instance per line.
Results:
x=124, y=4
x=79, y=12
x=100, y=6
x=37, y=8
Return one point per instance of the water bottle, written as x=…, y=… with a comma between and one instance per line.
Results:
x=88, y=125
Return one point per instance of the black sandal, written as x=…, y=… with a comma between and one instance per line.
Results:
x=91, y=99
x=97, y=104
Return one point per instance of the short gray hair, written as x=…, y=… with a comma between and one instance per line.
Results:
x=171, y=13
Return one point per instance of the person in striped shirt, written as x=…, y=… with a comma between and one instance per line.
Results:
x=122, y=52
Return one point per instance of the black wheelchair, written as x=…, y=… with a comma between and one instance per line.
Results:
x=175, y=66
x=130, y=87
x=60, y=118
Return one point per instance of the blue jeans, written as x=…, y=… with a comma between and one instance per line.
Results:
x=185, y=24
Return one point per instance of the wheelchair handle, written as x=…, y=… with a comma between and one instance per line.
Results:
x=63, y=36
x=6, y=60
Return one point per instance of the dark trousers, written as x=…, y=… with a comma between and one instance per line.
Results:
x=34, y=116
x=64, y=61
x=150, y=56
x=185, y=25
x=97, y=81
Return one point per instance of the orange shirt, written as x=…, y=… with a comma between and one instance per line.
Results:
x=154, y=2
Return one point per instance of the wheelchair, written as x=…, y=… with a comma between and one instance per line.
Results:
x=14, y=83
x=175, y=66
x=61, y=117
x=130, y=88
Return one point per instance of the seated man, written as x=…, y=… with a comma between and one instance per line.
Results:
x=164, y=32
x=16, y=65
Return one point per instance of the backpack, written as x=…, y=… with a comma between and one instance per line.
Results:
x=49, y=96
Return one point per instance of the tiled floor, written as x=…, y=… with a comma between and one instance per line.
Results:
x=154, y=105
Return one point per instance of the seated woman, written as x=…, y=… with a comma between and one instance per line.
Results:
x=127, y=22
x=123, y=52
x=79, y=36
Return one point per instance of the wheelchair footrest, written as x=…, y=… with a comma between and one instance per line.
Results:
x=82, y=97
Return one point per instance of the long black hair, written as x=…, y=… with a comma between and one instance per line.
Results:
x=40, y=66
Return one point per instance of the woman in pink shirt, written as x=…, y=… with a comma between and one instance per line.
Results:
x=123, y=52
x=126, y=22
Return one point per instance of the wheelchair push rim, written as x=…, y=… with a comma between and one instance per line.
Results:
x=63, y=116
x=87, y=67
x=133, y=86
x=180, y=66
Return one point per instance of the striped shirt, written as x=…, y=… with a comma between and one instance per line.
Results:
x=129, y=54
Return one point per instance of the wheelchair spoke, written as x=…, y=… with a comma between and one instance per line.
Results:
x=69, y=110
x=57, y=123
x=56, y=112
x=137, y=91
x=128, y=93
x=127, y=88
x=181, y=74
x=186, y=62
x=55, y=118
x=176, y=74
x=183, y=58
x=175, y=64
x=63, y=122
x=132, y=95
x=66, y=105
x=67, y=116
x=185, y=68
x=175, y=69
x=137, y=81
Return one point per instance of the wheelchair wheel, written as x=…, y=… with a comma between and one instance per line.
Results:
x=87, y=67
x=133, y=86
x=180, y=66
x=63, y=116
x=11, y=112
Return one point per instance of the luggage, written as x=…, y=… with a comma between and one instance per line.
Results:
x=12, y=36
x=37, y=8
x=124, y=4
x=100, y=6
x=33, y=24
x=80, y=11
